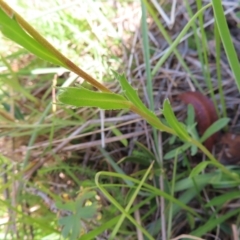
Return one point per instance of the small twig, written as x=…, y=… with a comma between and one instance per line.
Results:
x=102, y=118
x=54, y=101
x=161, y=179
x=234, y=232
x=187, y=236
x=48, y=201
x=138, y=220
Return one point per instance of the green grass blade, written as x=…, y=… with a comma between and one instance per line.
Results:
x=222, y=199
x=146, y=54
x=131, y=200
x=218, y=69
x=195, y=34
x=213, y=222
x=115, y=166
x=205, y=50
x=226, y=40
x=168, y=39
x=170, y=215
x=149, y=187
x=115, y=203
x=199, y=168
x=146, y=51
x=178, y=39
x=171, y=154
x=215, y=127
x=109, y=224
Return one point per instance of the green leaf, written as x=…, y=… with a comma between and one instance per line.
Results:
x=136, y=159
x=106, y=225
x=179, y=128
x=72, y=224
x=114, y=165
x=227, y=40
x=185, y=197
x=171, y=154
x=190, y=115
x=194, y=150
x=216, y=126
x=12, y=30
x=142, y=156
x=132, y=95
x=172, y=139
x=191, y=124
x=196, y=170
x=145, y=162
x=191, y=127
x=213, y=222
x=222, y=199
x=145, y=151
x=117, y=132
x=81, y=97
x=208, y=178
x=191, y=221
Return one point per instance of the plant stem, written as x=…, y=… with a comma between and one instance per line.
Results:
x=214, y=160
x=152, y=121
x=65, y=61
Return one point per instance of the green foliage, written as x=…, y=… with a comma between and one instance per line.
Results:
x=171, y=154
x=219, y=201
x=226, y=40
x=142, y=187
x=215, y=127
x=213, y=222
x=132, y=95
x=199, y=168
x=146, y=187
x=12, y=30
x=191, y=129
x=142, y=156
x=82, y=97
x=179, y=128
x=73, y=225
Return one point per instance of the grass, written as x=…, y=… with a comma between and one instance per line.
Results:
x=142, y=185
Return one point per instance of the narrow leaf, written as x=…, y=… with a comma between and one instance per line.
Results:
x=117, y=132
x=196, y=170
x=213, y=222
x=132, y=95
x=227, y=40
x=190, y=115
x=173, y=122
x=82, y=97
x=222, y=199
x=215, y=127
x=12, y=30
x=144, y=150
x=171, y=154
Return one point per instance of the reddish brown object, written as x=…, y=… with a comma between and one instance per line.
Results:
x=231, y=149
x=205, y=114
